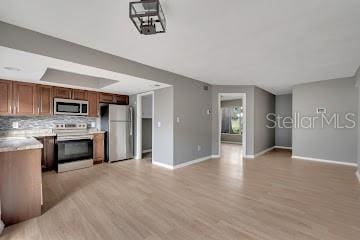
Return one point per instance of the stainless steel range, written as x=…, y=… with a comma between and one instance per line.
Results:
x=74, y=146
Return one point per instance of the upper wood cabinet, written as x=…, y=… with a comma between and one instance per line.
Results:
x=121, y=99
x=25, y=102
x=28, y=99
x=60, y=92
x=93, y=98
x=45, y=100
x=5, y=97
x=80, y=94
x=106, y=97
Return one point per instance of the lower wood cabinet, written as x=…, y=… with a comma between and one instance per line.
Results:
x=98, y=148
x=47, y=153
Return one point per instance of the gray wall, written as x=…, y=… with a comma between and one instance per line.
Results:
x=283, y=108
x=146, y=134
x=264, y=103
x=146, y=105
x=194, y=128
x=337, y=96
x=235, y=138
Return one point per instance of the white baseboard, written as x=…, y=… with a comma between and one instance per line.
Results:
x=147, y=151
x=324, y=161
x=249, y=156
x=163, y=165
x=238, y=143
x=215, y=156
x=192, y=162
x=282, y=147
x=182, y=164
x=263, y=152
x=358, y=174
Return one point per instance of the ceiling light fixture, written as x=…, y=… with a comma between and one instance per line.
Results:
x=15, y=69
x=147, y=16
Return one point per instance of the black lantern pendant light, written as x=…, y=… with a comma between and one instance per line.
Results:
x=147, y=16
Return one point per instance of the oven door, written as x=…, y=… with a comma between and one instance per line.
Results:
x=74, y=150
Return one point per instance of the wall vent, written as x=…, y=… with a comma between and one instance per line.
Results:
x=206, y=88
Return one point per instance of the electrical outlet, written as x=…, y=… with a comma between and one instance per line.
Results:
x=15, y=124
x=199, y=148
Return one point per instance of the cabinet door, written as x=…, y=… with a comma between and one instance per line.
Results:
x=121, y=99
x=25, y=98
x=98, y=147
x=45, y=100
x=93, y=104
x=5, y=97
x=80, y=94
x=106, y=97
x=60, y=92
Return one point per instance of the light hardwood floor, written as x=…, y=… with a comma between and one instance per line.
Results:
x=271, y=197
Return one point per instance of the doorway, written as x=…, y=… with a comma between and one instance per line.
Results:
x=232, y=123
x=145, y=126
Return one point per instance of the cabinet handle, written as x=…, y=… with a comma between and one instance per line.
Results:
x=11, y=109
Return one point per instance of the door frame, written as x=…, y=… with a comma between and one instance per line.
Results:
x=138, y=152
x=243, y=97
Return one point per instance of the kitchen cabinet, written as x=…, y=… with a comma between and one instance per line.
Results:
x=106, y=98
x=25, y=102
x=5, y=97
x=80, y=94
x=98, y=148
x=93, y=98
x=47, y=153
x=121, y=99
x=20, y=185
x=28, y=99
x=60, y=92
x=45, y=100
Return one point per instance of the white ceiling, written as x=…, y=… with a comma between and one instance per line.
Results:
x=272, y=44
x=32, y=68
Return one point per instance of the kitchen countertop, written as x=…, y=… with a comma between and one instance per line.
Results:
x=28, y=133
x=10, y=144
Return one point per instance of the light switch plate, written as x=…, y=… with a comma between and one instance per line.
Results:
x=158, y=124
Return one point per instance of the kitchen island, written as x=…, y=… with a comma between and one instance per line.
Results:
x=20, y=179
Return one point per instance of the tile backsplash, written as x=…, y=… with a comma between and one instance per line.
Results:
x=43, y=122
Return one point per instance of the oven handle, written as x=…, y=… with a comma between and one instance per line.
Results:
x=63, y=139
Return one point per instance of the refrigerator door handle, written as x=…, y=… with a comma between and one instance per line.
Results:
x=131, y=121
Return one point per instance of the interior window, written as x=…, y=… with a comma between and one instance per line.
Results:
x=231, y=120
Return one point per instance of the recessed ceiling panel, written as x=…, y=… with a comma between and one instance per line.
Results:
x=74, y=79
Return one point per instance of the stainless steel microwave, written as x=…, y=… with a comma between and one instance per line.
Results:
x=70, y=107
